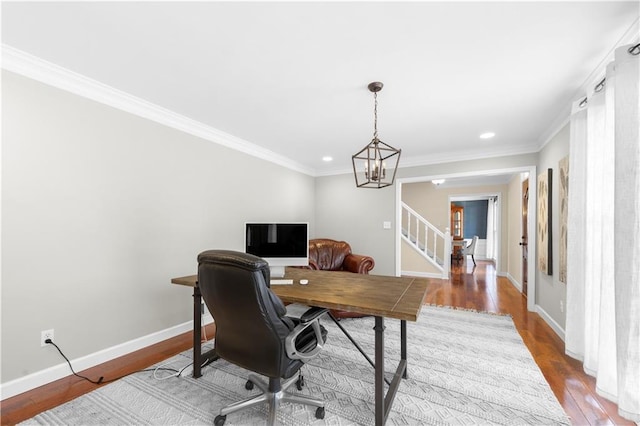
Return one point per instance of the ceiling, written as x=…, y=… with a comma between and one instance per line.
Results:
x=291, y=77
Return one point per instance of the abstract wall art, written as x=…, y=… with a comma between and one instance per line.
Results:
x=563, y=196
x=544, y=222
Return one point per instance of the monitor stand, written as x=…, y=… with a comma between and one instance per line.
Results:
x=277, y=271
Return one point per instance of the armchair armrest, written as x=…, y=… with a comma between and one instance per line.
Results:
x=358, y=264
x=308, y=317
x=312, y=265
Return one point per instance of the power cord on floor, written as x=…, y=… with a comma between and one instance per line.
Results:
x=102, y=381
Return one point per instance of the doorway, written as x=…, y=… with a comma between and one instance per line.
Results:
x=508, y=248
x=481, y=218
x=525, y=235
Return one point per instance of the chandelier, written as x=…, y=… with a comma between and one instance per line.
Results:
x=370, y=164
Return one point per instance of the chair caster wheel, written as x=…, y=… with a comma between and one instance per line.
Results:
x=219, y=420
x=248, y=386
x=300, y=383
x=320, y=413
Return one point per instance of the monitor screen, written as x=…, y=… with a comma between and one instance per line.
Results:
x=280, y=244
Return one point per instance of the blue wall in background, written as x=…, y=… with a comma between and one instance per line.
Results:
x=475, y=218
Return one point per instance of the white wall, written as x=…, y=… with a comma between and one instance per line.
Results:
x=101, y=208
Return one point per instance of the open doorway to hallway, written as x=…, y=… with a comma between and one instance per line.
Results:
x=503, y=187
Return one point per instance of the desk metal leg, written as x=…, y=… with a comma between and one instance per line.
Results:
x=197, y=332
x=356, y=344
x=381, y=414
x=403, y=344
x=199, y=359
x=383, y=403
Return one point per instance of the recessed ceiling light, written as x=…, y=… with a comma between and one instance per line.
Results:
x=327, y=158
x=487, y=135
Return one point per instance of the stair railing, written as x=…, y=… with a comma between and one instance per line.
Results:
x=432, y=244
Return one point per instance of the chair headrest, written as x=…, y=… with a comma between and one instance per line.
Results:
x=234, y=258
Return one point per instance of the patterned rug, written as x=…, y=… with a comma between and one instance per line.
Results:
x=464, y=368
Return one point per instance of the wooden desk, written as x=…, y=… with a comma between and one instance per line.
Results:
x=380, y=296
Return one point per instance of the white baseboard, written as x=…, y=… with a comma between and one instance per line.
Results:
x=51, y=374
x=422, y=274
x=550, y=321
x=515, y=282
x=538, y=309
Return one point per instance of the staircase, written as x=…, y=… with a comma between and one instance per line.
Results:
x=431, y=243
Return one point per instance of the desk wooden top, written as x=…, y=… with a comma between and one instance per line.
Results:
x=189, y=280
x=386, y=296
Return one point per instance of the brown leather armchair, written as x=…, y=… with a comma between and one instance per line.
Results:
x=331, y=255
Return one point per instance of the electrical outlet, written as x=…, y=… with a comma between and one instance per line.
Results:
x=44, y=335
x=561, y=306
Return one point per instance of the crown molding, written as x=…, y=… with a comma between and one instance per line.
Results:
x=629, y=37
x=469, y=155
x=25, y=64
x=450, y=157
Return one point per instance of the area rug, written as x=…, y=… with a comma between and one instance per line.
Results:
x=464, y=368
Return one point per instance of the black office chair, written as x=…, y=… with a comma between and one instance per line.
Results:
x=254, y=332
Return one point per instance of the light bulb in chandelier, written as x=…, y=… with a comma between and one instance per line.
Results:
x=377, y=173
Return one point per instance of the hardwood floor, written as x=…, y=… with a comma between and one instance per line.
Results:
x=472, y=288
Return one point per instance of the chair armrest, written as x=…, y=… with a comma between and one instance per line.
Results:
x=358, y=264
x=304, y=313
x=312, y=314
x=309, y=318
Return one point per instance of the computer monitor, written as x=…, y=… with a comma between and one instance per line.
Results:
x=280, y=244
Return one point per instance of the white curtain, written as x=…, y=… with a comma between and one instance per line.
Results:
x=491, y=209
x=603, y=257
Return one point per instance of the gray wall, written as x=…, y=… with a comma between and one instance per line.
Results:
x=356, y=215
x=550, y=292
x=101, y=208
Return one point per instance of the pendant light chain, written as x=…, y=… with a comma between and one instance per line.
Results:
x=375, y=116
